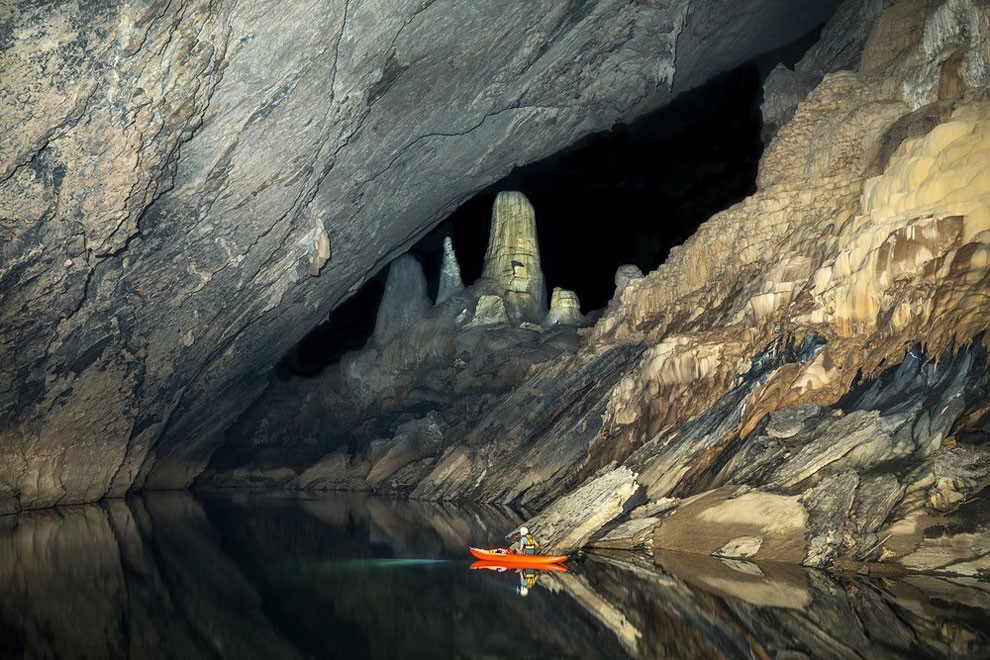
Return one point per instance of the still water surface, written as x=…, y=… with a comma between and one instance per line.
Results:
x=177, y=576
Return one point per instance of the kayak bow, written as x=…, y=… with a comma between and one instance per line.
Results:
x=504, y=556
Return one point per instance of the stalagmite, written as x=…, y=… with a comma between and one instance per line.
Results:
x=405, y=301
x=565, y=309
x=450, y=273
x=512, y=261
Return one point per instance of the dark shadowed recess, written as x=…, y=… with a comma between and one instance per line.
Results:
x=623, y=196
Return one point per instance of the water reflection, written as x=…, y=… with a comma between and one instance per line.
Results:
x=167, y=575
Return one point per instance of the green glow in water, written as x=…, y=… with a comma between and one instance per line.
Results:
x=341, y=565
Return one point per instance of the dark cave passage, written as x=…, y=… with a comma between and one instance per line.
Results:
x=624, y=196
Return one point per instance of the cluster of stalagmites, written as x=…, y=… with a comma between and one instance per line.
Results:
x=426, y=365
x=804, y=380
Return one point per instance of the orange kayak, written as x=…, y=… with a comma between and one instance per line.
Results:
x=503, y=556
x=517, y=566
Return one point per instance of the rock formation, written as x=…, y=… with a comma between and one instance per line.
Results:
x=841, y=43
x=380, y=418
x=450, y=273
x=512, y=260
x=404, y=303
x=804, y=380
x=565, y=309
x=187, y=188
x=871, y=249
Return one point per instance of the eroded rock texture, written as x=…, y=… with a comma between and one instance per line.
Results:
x=186, y=188
x=806, y=378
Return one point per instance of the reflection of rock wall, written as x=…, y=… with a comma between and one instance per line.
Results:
x=361, y=576
x=693, y=607
x=143, y=579
x=62, y=578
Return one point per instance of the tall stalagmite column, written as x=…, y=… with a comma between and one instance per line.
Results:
x=512, y=262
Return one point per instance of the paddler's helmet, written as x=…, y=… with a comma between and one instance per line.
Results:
x=523, y=531
x=523, y=591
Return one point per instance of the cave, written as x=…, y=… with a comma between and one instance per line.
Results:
x=694, y=293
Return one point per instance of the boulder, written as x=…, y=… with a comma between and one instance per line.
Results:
x=715, y=520
x=572, y=520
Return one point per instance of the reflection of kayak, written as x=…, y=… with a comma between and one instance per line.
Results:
x=517, y=566
x=503, y=556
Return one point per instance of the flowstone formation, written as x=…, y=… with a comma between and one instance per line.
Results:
x=187, y=188
x=804, y=380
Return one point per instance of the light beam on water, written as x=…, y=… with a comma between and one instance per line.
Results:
x=343, y=565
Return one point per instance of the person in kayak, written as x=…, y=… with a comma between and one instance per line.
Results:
x=526, y=545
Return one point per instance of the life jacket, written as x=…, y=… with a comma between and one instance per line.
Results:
x=528, y=545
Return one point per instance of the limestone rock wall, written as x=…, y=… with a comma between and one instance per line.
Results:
x=839, y=48
x=187, y=187
x=813, y=250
